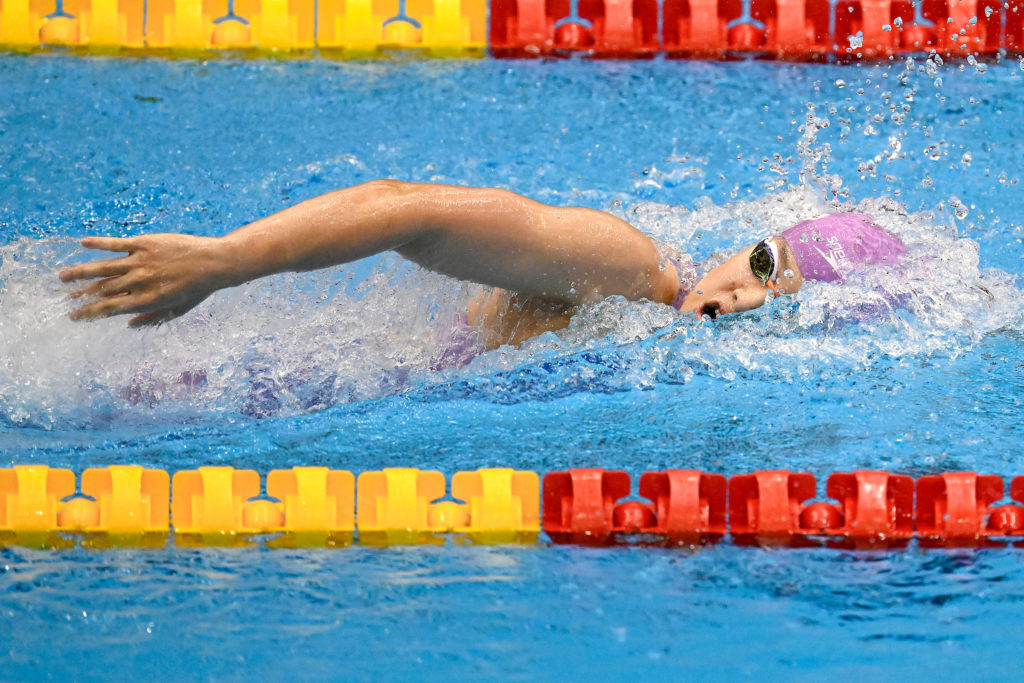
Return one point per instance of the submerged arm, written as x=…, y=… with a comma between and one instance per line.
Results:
x=494, y=237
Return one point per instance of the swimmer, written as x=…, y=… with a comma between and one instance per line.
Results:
x=542, y=262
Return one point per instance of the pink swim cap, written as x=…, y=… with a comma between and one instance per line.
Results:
x=829, y=247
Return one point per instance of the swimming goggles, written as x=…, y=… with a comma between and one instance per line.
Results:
x=764, y=262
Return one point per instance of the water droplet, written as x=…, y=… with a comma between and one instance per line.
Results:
x=897, y=22
x=840, y=83
x=958, y=207
x=788, y=272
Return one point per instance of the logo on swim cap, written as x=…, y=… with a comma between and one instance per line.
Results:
x=835, y=253
x=847, y=240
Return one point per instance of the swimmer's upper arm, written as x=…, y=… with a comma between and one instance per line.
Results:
x=570, y=255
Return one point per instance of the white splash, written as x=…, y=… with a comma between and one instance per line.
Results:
x=286, y=344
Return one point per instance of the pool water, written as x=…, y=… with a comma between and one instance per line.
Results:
x=333, y=368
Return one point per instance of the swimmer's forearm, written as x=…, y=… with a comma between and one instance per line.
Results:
x=332, y=229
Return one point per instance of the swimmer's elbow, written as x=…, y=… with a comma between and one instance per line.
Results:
x=377, y=192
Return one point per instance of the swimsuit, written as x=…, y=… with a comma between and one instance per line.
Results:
x=462, y=346
x=686, y=270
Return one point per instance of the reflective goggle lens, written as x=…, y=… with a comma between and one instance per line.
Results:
x=762, y=261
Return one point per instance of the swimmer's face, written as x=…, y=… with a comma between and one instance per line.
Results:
x=733, y=288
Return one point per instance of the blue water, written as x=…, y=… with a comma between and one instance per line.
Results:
x=332, y=368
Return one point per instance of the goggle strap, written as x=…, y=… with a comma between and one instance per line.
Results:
x=774, y=249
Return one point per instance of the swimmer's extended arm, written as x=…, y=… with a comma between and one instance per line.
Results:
x=494, y=237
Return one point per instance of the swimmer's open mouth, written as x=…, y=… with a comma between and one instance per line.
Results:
x=710, y=310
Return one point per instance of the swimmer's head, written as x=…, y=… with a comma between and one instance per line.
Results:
x=825, y=249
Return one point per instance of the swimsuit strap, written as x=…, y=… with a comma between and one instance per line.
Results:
x=683, y=289
x=685, y=270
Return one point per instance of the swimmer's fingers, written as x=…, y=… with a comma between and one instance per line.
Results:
x=107, y=287
x=88, y=271
x=117, y=305
x=126, y=244
x=110, y=267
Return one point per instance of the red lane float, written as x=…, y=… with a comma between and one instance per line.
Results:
x=582, y=506
x=874, y=508
x=787, y=29
x=955, y=509
x=604, y=28
x=871, y=508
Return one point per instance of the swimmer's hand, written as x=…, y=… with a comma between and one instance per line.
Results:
x=161, y=277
